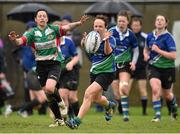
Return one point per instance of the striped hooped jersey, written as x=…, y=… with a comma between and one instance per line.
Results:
x=45, y=42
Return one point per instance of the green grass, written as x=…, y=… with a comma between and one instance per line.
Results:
x=93, y=123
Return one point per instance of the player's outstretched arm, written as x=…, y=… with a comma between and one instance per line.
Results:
x=14, y=37
x=73, y=25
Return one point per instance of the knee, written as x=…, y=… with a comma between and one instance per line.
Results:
x=64, y=93
x=97, y=99
x=73, y=99
x=49, y=89
x=88, y=96
x=156, y=92
x=42, y=99
x=143, y=92
x=168, y=96
x=41, y=96
x=49, y=97
x=64, y=96
x=123, y=85
x=116, y=97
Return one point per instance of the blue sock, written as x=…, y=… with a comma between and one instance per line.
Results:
x=157, y=108
x=125, y=105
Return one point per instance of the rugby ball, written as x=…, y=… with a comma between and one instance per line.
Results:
x=92, y=42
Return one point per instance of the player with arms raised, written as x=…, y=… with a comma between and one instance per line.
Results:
x=45, y=39
x=101, y=73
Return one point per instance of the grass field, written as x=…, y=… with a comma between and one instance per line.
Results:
x=93, y=123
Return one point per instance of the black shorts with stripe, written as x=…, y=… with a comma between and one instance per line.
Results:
x=48, y=70
x=122, y=67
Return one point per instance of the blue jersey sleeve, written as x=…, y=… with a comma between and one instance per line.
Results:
x=133, y=40
x=72, y=48
x=171, y=46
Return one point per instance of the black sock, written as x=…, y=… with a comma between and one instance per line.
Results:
x=71, y=112
x=119, y=107
x=16, y=108
x=1, y=103
x=29, y=105
x=168, y=103
x=56, y=95
x=173, y=105
x=43, y=109
x=75, y=107
x=53, y=105
x=144, y=104
x=55, y=109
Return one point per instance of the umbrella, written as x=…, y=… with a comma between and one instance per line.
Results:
x=25, y=12
x=111, y=8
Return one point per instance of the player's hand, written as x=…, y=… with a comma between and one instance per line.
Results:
x=107, y=35
x=155, y=48
x=84, y=35
x=69, y=66
x=146, y=57
x=83, y=19
x=132, y=66
x=13, y=36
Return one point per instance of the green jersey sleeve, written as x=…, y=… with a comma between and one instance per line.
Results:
x=58, y=29
x=29, y=37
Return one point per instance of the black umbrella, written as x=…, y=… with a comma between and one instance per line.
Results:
x=25, y=12
x=111, y=8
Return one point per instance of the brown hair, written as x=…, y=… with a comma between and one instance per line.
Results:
x=104, y=18
x=136, y=19
x=124, y=13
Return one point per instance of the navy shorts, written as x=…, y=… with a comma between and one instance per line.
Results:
x=139, y=74
x=69, y=79
x=165, y=75
x=103, y=79
x=33, y=82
